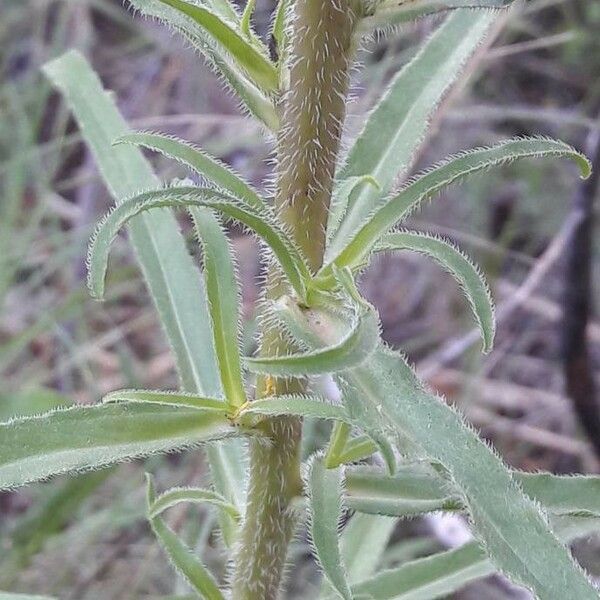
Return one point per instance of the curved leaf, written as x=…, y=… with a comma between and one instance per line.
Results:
x=175, y=283
x=262, y=224
x=180, y=555
x=83, y=438
x=325, y=501
x=350, y=351
x=182, y=399
x=245, y=25
x=512, y=527
x=253, y=99
x=198, y=160
x=223, y=301
x=442, y=574
x=177, y=495
x=431, y=182
x=397, y=127
x=254, y=62
x=297, y=405
x=460, y=266
x=392, y=13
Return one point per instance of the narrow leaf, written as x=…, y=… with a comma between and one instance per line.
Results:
x=183, y=399
x=11, y=596
x=83, y=438
x=254, y=99
x=460, y=266
x=177, y=495
x=430, y=183
x=176, y=285
x=325, y=489
x=393, y=13
x=297, y=405
x=181, y=556
x=223, y=301
x=198, y=160
x=443, y=574
x=246, y=18
x=350, y=351
x=279, y=29
x=262, y=223
x=417, y=489
x=397, y=127
x=255, y=63
x=511, y=525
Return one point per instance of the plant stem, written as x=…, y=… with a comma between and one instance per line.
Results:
x=313, y=111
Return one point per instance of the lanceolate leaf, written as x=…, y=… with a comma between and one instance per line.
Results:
x=223, y=300
x=166, y=398
x=325, y=490
x=175, y=284
x=515, y=532
x=254, y=99
x=396, y=129
x=351, y=350
x=263, y=224
x=10, y=596
x=417, y=489
x=300, y=406
x=175, y=496
x=384, y=395
x=443, y=574
x=180, y=555
x=213, y=170
x=391, y=13
x=76, y=439
x=430, y=183
x=466, y=273
x=255, y=63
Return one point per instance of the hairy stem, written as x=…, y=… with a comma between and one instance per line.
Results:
x=313, y=111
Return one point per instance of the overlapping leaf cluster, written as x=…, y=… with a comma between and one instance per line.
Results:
x=435, y=461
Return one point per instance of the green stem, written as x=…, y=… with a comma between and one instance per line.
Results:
x=313, y=111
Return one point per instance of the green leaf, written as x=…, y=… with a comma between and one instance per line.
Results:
x=182, y=399
x=180, y=555
x=175, y=284
x=460, y=266
x=262, y=223
x=384, y=395
x=258, y=66
x=443, y=574
x=411, y=491
x=431, y=182
x=223, y=301
x=390, y=13
x=325, y=499
x=351, y=350
x=418, y=488
x=177, y=495
x=297, y=405
x=82, y=438
x=514, y=530
x=279, y=29
x=199, y=161
x=254, y=100
x=397, y=127
x=343, y=194
x=245, y=25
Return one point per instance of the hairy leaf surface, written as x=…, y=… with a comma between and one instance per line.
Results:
x=81, y=438
x=325, y=499
x=262, y=223
x=460, y=266
x=430, y=183
x=182, y=557
x=167, y=398
x=198, y=160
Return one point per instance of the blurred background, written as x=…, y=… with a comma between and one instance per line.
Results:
x=530, y=226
